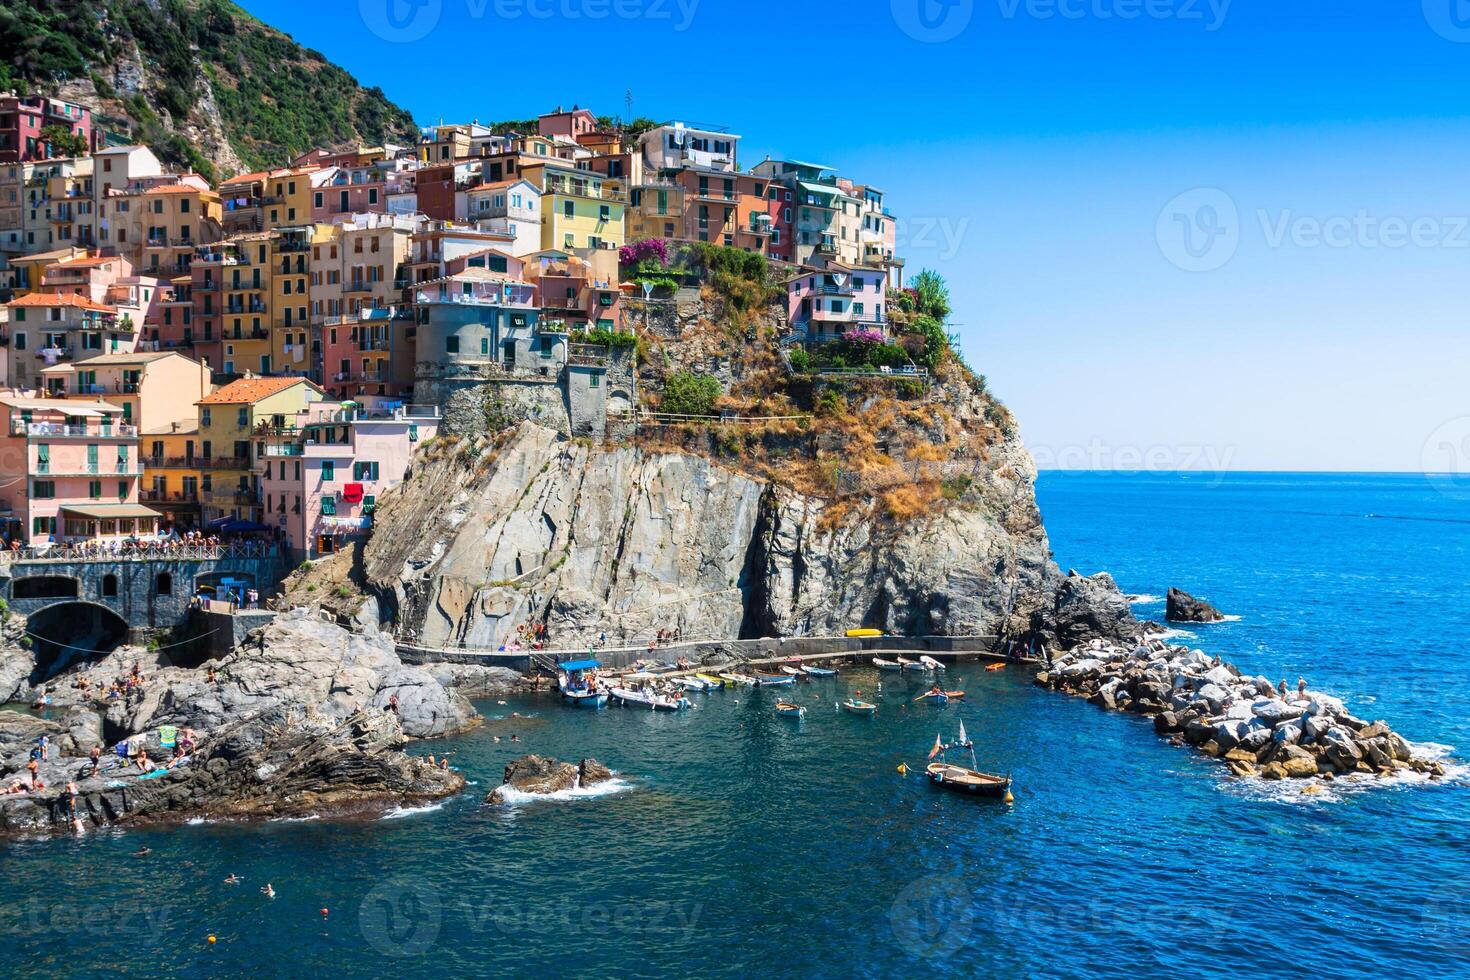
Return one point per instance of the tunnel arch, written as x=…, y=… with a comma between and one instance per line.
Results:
x=65, y=633
x=46, y=587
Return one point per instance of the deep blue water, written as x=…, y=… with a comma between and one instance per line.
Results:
x=749, y=843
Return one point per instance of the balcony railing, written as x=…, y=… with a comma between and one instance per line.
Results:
x=285, y=449
x=57, y=430
x=169, y=497
x=144, y=551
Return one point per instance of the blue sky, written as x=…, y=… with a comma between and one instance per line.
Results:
x=1179, y=233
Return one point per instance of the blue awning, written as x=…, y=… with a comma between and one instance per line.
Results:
x=578, y=665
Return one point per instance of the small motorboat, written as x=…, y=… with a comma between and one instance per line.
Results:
x=788, y=710
x=578, y=686
x=929, y=663
x=856, y=707
x=971, y=781
x=714, y=682
x=819, y=671
x=773, y=680
x=906, y=664
x=744, y=680
x=793, y=671
x=640, y=698
x=882, y=664
x=696, y=684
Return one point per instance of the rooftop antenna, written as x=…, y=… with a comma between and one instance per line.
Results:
x=628, y=106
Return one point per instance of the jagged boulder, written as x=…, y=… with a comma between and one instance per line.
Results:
x=541, y=775
x=1181, y=607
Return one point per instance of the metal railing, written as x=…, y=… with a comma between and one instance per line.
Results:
x=56, y=430
x=164, y=550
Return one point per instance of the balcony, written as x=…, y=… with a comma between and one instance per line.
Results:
x=56, y=430
x=361, y=286
x=168, y=497
x=54, y=468
x=284, y=449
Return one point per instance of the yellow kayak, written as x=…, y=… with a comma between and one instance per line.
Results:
x=711, y=679
x=865, y=632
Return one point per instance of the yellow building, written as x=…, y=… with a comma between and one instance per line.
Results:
x=266, y=199
x=176, y=479
x=579, y=209
x=290, y=323
x=245, y=305
x=163, y=223
x=227, y=418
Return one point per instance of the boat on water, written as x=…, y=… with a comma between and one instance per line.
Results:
x=882, y=664
x=793, y=671
x=935, y=695
x=993, y=667
x=788, y=710
x=744, y=680
x=650, y=691
x=929, y=663
x=856, y=707
x=714, y=682
x=696, y=684
x=819, y=671
x=577, y=681
x=958, y=779
x=773, y=680
x=905, y=663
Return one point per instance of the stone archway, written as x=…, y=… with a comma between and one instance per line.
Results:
x=66, y=632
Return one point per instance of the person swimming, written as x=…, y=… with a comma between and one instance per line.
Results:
x=233, y=879
x=142, y=852
x=268, y=891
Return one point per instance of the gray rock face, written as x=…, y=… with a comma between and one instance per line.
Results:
x=1181, y=607
x=541, y=775
x=616, y=544
x=299, y=720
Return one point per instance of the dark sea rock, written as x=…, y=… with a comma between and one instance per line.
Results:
x=542, y=775
x=1181, y=607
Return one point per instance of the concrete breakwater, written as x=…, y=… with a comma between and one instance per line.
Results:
x=1257, y=728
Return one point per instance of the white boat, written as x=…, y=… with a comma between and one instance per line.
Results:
x=695, y=684
x=578, y=686
x=819, y=671
x=882, y=664
x=647, y=699
x=904, y=663
x=930, y=663
x=744, y=680
x=793, y=671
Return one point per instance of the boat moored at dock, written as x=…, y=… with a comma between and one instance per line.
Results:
x=578, y=683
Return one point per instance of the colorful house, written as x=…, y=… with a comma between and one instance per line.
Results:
x=228, y=418
x=154, y=389
x=321, y=472
x=824, y=304
x=71, y=470
x=579, y=209
x=22, y=117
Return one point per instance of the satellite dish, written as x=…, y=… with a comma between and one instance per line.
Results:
x=647, y=290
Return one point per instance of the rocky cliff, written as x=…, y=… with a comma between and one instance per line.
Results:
x=617, y=543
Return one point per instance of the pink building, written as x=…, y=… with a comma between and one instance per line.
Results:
x=23, y=117
x=567, y=124
x=575, y=289
x=345, y=191
x=71, y=471
x=826, y=303
x=321, y=473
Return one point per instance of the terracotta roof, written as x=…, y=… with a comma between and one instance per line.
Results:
x=61, y=299
x=175, y=189
x=87, y=260
x=248, y=391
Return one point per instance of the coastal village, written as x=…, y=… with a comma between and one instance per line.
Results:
x=266, y=355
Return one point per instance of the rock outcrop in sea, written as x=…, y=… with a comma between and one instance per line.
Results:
x=541, y=776
x=1255, y=727
x=306, y=718
x=1181, y=607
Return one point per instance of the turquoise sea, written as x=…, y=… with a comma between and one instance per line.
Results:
x=737, y=842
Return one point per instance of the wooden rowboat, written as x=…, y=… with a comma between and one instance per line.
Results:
x=971, y=781
x=941, y=697
x=793, y=671
x=854, y=706
x=788, y=710
x=882, y=664
x=820, y=671
x=744, y=680
x=929, y=663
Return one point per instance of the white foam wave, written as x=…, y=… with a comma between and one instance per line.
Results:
x=1145, y=599
x=306, y=819
x=606, y=788
x=195, y=821
x=1172, y=633
x=1229, y=618
x=399, y=812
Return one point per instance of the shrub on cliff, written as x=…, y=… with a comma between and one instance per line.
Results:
x=686, y=393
